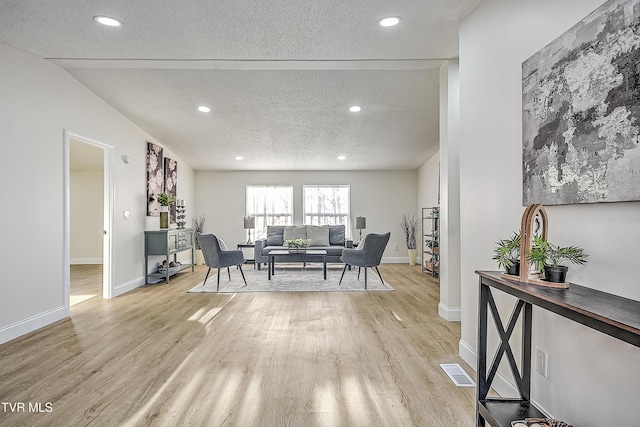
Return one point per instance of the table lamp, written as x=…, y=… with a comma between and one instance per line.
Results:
x=361, y=224
x=249, y=223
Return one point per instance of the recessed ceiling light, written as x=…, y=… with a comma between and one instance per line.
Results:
x=389, y=22
x=342, y=157
x=239, y=157
x=355, y=108
x=109, y=22
x=204, y=109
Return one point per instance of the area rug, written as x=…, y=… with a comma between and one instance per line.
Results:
x=293, y=278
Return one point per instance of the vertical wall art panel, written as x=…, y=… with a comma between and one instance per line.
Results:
x=171, y=182
x=154, y=178
x=581, y=112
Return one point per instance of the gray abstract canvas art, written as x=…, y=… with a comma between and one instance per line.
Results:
x=581, y=112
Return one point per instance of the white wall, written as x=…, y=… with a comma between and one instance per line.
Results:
x=592, y=377
x=86, y=212
x=449, y=305
x=39, y=101
x=428, y=182
x=380, y=196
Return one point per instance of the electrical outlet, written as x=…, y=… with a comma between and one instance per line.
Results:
x=542, y=363
x=395, y=247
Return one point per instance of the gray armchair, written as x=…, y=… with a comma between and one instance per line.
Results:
x=217, y=256
x=368, y=254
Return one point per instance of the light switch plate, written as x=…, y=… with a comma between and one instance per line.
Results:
x=125, y=214
x=542, y=362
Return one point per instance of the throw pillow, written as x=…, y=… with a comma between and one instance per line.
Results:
x=274, y=235
x=223, y=246
x=336, y=235
x=295, y=232
x=361, y=244
x=318, y=235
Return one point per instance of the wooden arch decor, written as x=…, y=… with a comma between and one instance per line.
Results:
x=534, y=223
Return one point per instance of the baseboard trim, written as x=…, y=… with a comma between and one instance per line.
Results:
x=30, y=324
x=78, y=261
x=452, y=314
x=501, y=384
x=395, y=260
x=468, y=354
x=128, y=286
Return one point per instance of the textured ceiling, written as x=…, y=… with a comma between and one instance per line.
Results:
x=278, y=75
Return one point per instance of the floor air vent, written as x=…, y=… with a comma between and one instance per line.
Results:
x=457, y=375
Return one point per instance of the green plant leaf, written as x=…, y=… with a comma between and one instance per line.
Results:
x=166, y=199
x=507, y=251
x=544, y=253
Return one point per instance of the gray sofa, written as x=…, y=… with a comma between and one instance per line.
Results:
x=328, y=237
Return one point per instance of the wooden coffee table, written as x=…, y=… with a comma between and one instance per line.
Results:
x=284, y=256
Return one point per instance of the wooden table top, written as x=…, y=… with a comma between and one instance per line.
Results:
x=608, y=313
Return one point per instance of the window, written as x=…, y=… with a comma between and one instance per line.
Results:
x=327, y=204
x=270, y=205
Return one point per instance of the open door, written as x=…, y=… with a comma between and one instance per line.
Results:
x=108, y=204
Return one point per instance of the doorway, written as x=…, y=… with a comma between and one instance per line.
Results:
x=88, y=177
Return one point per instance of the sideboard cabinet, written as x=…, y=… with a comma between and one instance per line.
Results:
x=167, y=243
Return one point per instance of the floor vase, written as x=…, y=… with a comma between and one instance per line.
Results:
x=413, y=256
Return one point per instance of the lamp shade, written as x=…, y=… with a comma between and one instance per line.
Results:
x=249, y=222
x=361, y=223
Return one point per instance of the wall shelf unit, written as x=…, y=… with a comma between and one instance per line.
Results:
x=431, y=240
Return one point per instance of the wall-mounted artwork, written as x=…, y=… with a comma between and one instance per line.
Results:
x=171, y=182
x=581, y=112
x=155, y=178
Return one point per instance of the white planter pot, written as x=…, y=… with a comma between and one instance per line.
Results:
x=413, y=256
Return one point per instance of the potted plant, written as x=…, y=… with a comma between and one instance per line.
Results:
x=165, y=201
x=547, y=256
x=198, y=227
x=507, y=254
x=410, y=226
x=297, y=245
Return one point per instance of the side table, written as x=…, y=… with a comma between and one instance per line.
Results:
x=251, y=246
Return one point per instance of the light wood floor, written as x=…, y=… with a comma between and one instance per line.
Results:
x=86, y=282
x=160, y=356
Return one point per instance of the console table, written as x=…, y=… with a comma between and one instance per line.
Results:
x=167, y=243
x=610, y=314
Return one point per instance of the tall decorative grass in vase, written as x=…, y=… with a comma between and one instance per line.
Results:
x=411, y=227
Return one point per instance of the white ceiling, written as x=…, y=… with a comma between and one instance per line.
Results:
x=279, y=75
